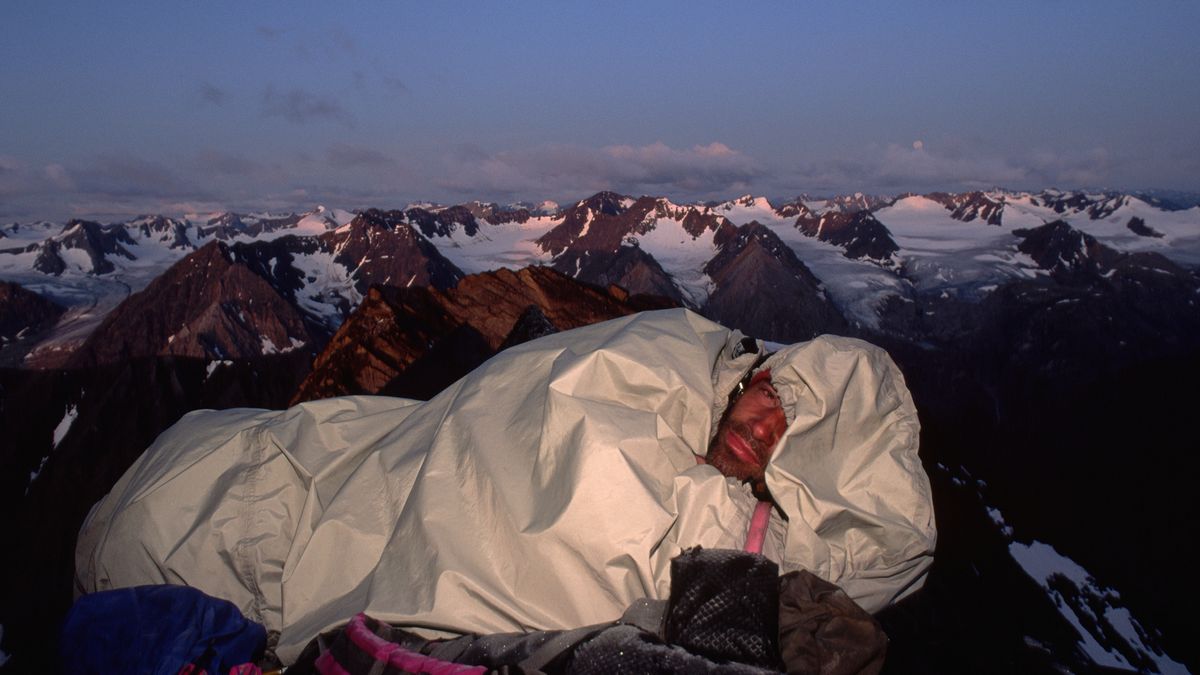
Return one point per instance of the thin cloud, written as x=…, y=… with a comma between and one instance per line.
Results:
x=700, y=172
x=701, y=169
x=18, y=180
x=120, y=175
x=107, y=186
x=210, y=93
x=343, y=40
x=949, y=165
x=347, y=156
x=395, y=84
x=215, y=162
x=1091, y=168
x=299, y=106
x=15, y=178
x=58, y=176
x=923, y=167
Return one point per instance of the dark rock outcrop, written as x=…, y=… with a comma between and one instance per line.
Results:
x=859, y=233
x=1107, y=205
x=970, y=206
x=794, y=209
x=627, y=266
x=1096, y=206
x=597, y=242
x=25, y=317
x=96, y=240
x=1068, y=254
x=381, y=247
x=229, y=225
x=764, y=290
x=48, y=260
x=602, y=212
x=495, y=214
x=1139, y=227
x=168, y=230
x=849, y=203
x=442, y=223
x=531, y=325
x=274, y=261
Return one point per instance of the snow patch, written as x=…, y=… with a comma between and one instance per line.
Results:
x=508, y=244
x=748, y=208
x=998, y=519
x=33, y=475
x=268, y=346
x=213, y=365
x=1075, y=593
x=64, y=425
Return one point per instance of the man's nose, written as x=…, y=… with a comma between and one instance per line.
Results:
x=763, y=429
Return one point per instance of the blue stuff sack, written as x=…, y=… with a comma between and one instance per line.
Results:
x=159, y=630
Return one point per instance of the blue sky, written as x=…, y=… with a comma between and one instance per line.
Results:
x=115, y=108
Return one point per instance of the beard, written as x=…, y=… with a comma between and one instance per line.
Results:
x=727, y=461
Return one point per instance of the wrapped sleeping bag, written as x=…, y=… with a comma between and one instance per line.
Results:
x=548, y=489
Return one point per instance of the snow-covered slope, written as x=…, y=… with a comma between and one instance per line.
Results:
x=508, y=243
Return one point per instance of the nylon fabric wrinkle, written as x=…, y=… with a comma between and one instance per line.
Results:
x=159, y=469
x=247, y=520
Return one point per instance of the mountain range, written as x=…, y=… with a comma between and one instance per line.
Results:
x=1044, y=336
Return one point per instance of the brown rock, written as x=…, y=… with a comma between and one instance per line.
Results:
x=453, y=329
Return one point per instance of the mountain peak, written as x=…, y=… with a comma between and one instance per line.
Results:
x=754, y=264
x=1065, y=252
x=859, y=233
x=607, y=202
x=205, y=306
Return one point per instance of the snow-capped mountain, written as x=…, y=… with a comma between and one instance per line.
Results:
x=89, y=268
x=866, y=252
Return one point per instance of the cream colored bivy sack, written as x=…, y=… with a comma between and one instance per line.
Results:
x=548, y=489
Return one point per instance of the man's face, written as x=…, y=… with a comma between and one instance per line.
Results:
x=748, y=433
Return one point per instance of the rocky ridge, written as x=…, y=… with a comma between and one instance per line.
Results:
x=434, y=336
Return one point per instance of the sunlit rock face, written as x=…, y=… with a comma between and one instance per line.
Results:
x=415, y=341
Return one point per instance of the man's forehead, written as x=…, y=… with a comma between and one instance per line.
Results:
x=763, y=375
x=762, y=384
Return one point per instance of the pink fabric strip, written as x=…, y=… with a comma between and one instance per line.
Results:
x=758, y=527
x=393, y=654
x=327, y=665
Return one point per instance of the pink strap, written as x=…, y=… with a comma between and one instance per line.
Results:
x=390, y=654
x=758, y=527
